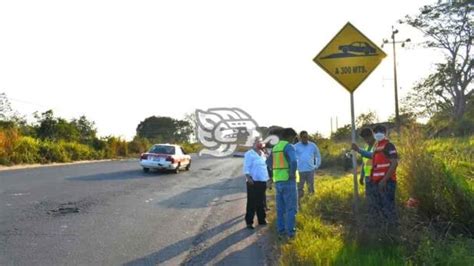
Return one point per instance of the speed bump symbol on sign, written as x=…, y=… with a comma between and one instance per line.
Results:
x=349, y=57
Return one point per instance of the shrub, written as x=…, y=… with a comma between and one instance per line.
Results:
x=433, y=250
x=116, y=147
x=52, y=152
x=192, y=147
x=138, y=145
x=26, y=150
x=444, y=193
x=8, y=139
x=78, y=151
x=333, y=154
x=98, y=155
x=457, y=153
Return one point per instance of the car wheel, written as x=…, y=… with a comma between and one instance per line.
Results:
x=146, y=170
x=188, y=166
x=177, y=168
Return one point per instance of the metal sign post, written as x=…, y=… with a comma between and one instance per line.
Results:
x=354, y=161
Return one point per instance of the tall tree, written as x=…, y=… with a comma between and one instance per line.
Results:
x=164, y=129
x=342, y=133
x=55, y=128
x=184, y=130
x=5, y=107
x=86, y=129
x=448, y=26
x=7, y=114
x=406, y=118
x=365, y=119
x=192, y=120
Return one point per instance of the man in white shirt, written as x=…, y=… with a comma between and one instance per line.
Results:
x=256, y=174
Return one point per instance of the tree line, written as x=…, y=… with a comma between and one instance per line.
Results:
x=50, y=138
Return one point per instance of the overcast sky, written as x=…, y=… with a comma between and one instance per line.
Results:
x=118, y=62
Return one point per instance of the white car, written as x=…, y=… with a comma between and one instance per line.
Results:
x=165, y=157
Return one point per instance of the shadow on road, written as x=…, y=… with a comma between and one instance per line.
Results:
x=208, y=254
x=184, y=245
x=202, y=197
x=242, y=257
x=122, y=175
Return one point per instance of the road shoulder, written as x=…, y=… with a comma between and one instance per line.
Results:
x=30, y=166
x=235, y=244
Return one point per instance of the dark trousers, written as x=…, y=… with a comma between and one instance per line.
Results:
x=381, y=204
x=256, y=202
x=388, y=202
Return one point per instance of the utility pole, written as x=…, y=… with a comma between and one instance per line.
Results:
x=395, y=85
x=331, y=125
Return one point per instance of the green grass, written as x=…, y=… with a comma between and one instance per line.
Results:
x=327, y=233
x=438, y=172
x=457, y=154
x=355, y=254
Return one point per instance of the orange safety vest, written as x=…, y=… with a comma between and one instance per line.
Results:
x=380, y=162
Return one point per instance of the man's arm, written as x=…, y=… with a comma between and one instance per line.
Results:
x=366, y=154
x=246, y=168
x=391, y=170
x=317, y=156
x=362, y=152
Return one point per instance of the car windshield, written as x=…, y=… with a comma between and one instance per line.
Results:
x=162, y=149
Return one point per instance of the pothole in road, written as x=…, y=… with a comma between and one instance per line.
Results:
x=64, y=208
x=206, y=169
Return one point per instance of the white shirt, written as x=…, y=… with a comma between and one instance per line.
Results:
x=255, y=165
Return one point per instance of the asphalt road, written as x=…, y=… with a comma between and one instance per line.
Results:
x=111, y=213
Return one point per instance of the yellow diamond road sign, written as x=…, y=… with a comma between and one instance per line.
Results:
x=349, y=57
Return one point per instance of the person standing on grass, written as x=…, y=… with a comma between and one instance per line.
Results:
x=366, y=168
x=283, y=163
x=309, y=159
x=383, y=174
x=256, y=174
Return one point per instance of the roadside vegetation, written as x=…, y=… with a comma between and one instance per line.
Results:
x=36, y=146
x=439, y=231
x=51, y=139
